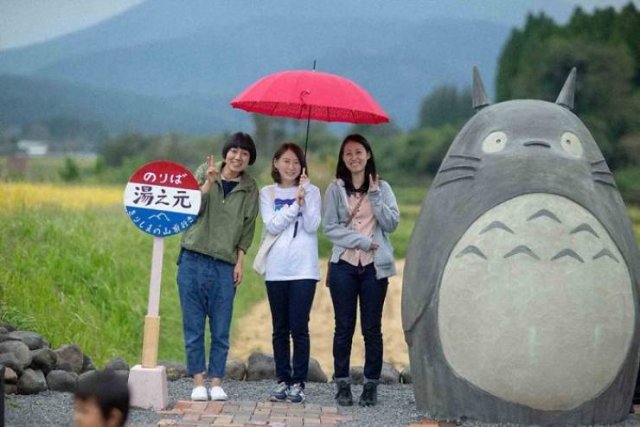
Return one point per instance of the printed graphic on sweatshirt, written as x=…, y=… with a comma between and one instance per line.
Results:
x=280, y=203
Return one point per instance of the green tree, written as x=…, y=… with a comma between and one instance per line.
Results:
x=70, y=172
x=603, y=46
x=445, y=104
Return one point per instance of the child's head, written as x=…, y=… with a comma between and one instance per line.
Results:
x=101, y=400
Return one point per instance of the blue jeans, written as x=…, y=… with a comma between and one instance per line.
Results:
x=206, y=289
x=349, y=283
x=290, y=303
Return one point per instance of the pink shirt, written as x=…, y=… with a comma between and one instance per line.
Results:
x=364, y=223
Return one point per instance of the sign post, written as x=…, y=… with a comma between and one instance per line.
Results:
x=162, y=199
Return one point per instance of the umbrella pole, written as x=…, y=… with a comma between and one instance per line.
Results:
x=306, y=140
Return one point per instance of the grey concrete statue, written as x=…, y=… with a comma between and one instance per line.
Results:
x=520, y=290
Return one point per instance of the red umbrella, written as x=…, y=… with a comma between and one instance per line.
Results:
x=310, y=95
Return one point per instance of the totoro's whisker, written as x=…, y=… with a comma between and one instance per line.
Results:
x=471, y=249
x=466, y=157
x=606, y=173
x=602, y=181
x=597, y=162
x=584, y=227
x=605, y=252
x=459, y=178
x=454, y=168
x=497, y=225
x=544, y=213
x=567, y=252
x=522, y=249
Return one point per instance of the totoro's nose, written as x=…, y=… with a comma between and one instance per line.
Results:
x=537, y=144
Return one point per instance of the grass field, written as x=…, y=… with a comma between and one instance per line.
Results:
x=75, y=269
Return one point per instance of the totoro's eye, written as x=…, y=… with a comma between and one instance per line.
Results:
x=571, y=144
x=494, y=142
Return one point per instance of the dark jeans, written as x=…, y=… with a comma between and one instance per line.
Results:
x=290, y=303
x=205, y=287
x=348, y=284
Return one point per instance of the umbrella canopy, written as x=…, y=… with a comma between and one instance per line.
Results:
x=310, y=95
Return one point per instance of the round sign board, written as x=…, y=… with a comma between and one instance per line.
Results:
x=162, y=198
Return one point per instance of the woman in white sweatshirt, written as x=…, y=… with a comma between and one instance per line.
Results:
x=290, y=208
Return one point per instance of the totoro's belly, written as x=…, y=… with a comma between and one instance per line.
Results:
x=536, y=304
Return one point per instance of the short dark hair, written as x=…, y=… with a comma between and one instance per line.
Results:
x=343, y=173
x=295, y=149
x=243, y=141
x=109, y=391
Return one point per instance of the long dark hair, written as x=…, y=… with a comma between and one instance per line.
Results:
x=343, y=173
x=295, y=149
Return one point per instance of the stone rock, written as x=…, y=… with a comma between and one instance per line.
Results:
x=389, y=374
x=10, y=389
x=58, y=380
x=8, y=327
x=117, y=364
x=260, y=366
x=87, y=374
x=44, y=359
x=19, y=349
x=357, y=374
x=11, y=361
x=3, y=330
x=87, y=364
x=31, y=339
x=10, y=376
x=236, y=369
x=69, y=357
x=316, y=374
x=31, y=382
x=405, y=376
x=7, y=337
x=174, y=370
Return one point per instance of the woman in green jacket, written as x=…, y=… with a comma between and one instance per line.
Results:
x=211, y=260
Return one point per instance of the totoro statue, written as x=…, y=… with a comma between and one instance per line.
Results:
x=520, y=292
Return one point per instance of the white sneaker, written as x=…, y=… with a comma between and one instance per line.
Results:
x=199, y=393
x=217, y=393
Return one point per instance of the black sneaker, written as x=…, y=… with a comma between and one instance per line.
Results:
x=279, y=393
x=296, y=393
x=344, y=396
x=369, y=395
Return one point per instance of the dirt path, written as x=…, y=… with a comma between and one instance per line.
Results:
x=255, y=329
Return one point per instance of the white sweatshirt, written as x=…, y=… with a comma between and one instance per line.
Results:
x=291, y=258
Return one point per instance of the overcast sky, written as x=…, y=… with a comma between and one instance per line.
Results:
x=24, y=22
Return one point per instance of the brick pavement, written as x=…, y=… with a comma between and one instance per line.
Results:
x=274, y=414
x=239, y=414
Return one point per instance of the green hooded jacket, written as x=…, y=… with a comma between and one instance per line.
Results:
x=224, y=224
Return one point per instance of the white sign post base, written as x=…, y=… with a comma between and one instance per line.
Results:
x=148, y=387
x=148, y=382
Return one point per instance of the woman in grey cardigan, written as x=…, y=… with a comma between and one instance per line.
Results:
x=358, y=213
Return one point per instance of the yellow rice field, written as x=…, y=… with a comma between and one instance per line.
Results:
x=18, y=196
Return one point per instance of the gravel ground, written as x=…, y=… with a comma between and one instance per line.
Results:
x=395, y=405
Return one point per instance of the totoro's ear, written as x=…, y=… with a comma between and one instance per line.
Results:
x=566, y=94
x=480, y=99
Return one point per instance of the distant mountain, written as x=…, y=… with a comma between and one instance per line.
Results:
x=24, y=100
x=194, y=56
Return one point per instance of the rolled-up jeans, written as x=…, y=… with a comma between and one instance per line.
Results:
x=348, y=284
x=206, y=289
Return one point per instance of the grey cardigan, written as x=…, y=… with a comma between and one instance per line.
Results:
x=335, y=214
